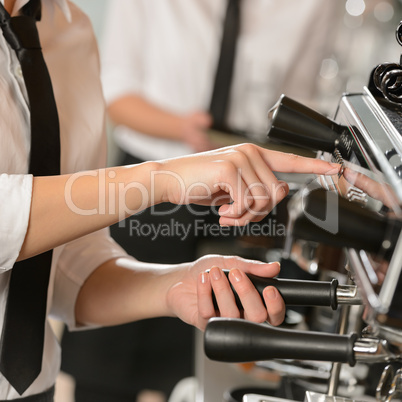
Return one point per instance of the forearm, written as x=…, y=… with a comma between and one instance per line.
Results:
x=66, y=207
x=140, y=115
x=125, y=290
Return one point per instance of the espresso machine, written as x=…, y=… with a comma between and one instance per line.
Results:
x=359, y=212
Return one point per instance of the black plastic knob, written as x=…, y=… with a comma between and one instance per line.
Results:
x=236, y=340
x=296, y=124
x=294, y=292
x=355, y=226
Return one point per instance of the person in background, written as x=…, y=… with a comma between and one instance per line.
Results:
x=159, y=62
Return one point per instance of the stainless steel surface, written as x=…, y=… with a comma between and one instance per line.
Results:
x=390, y=385
x=376, y=278
x=384, y=385
x=262, y=398
x=379, y=136
x=316, y=397
x=362, y=278
x=377, y=157
x=357, y=195
x=395, y=392
x=336, y=367
x=375, y=136
x=393, y=275
x=373, y=350
x=348, y=294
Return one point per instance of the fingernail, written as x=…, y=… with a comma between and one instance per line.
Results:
x=203, y=277
x=271, y=293
x=276, y=262
x=216, y=273
x=237, y=274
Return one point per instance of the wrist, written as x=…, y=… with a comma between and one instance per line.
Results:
x=173, y=286
x=139, y=187
x=158, y=183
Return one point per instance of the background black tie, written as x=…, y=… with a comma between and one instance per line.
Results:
x=224, y=72
x=22, y=338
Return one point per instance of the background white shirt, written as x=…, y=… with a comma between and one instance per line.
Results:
x=167, y=51
x=71, y=54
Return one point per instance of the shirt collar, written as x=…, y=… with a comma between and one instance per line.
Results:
x=63, y=5
x=65, y=8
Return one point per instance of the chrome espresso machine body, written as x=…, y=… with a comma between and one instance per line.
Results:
x=358, y=211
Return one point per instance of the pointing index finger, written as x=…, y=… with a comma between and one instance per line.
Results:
x=291, y=163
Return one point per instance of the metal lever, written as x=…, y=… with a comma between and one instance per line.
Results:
x=304, y=293
x=236, y=340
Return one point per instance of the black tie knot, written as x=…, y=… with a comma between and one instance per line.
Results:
x=33, y=9
x=21, y=32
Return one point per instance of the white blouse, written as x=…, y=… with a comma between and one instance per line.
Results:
x=167, y=51
x=71, y=54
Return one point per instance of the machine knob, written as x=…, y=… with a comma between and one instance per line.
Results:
x=303, y=293
x=236, y=340
x=296, y=124
x=357, y=227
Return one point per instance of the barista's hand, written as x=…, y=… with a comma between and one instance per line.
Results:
x=239, y=179
x=194, y=131
x=190, y=298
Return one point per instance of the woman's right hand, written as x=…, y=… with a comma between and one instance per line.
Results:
x=239, y=179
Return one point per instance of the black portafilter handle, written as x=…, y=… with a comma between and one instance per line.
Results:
x=236, y=341
x=296, y=124
x=357, y=227
x=294, y=292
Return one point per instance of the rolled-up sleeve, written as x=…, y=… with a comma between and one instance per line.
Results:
x=15, y=206
x=76, y=263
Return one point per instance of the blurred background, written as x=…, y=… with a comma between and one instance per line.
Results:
x=365, y=38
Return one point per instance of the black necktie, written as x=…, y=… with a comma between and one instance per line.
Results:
x=22, y=338
x=223, y=77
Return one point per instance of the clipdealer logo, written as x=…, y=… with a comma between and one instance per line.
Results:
x=113, y=195
x=199, y=228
